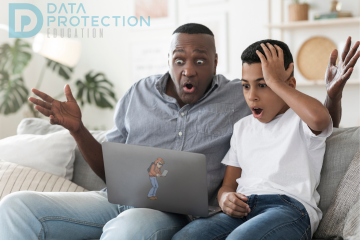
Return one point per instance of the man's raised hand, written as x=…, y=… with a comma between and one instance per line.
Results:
x=66, y=114
x=337, y=75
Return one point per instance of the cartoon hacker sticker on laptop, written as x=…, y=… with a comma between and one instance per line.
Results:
x=155, y=171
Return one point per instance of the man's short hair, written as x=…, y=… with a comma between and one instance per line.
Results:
x=249, y=55
x=193, y=28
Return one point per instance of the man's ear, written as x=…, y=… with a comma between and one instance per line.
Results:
x=216, y=62
x=291, y=82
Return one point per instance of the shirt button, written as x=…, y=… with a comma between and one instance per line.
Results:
x=182, y=114
x=180, y=133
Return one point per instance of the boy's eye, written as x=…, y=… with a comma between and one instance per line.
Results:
x=262, y=85
x=199, y=62
x=178, y=61
x=246, y=86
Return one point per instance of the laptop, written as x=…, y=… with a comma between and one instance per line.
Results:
x=161, y=179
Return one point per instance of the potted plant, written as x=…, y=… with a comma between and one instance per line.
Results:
x=298, y=11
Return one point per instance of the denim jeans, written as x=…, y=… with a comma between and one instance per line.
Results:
x=155, y=186
x=87, y=215
x=272, y=217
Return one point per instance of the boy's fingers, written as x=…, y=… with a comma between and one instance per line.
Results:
x=351, y=53
x=272, y=50
x=233, y=213
x=346, y=49
x=261, y=56
x=241, y=196
x=280, y=52
x=289, y=70
x=266, y=51
x=235, y=207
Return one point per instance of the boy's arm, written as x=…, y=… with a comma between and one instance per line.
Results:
x=310, y=110
x=231, y=202
x=336, y=77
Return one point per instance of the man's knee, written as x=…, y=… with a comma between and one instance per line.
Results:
x=17, y=201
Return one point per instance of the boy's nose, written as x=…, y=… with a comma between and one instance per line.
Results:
x=252, y=96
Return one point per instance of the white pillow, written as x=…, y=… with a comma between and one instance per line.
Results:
x=14, y=178
x=53, y=153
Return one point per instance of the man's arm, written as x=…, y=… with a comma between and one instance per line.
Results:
x=68, y=115
x=336, y=77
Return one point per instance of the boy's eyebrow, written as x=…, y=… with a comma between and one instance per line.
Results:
x=259, y=79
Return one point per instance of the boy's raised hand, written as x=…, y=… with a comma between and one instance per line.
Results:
x=273, y=64
x=66, y=114
x=231, y=203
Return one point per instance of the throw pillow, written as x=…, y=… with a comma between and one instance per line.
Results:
x=53, y=153
x=346, y=195
x=352, y=223
x=14, y=177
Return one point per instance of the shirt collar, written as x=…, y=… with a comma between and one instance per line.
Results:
x=160, y=85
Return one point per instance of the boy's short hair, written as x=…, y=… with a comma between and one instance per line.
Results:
x=249, y=55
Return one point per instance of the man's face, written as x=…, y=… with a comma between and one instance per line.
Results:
x=192, y=63
x=263, y=102
x=159, y=165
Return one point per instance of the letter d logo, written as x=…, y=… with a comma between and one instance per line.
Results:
x=25, y=20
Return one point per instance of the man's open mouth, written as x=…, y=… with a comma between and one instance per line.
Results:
x=257, y=112
x=189, y=88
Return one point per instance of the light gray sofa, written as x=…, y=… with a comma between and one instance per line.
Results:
x=341, y=147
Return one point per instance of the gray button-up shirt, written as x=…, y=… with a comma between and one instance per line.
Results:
x=146, y=116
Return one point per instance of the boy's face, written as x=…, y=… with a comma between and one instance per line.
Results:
x=263, y=102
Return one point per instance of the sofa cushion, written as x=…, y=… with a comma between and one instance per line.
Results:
x=352, y=223
x=341, y=147
x=346, y=195
x=14, y=178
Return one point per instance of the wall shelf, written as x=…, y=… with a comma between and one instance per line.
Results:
x=311, y=83
x=316, y=23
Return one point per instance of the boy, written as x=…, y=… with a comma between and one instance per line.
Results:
x=275, y=158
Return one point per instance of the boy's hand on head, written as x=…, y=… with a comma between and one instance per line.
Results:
x=233, y=204
x=336, y=76
x=273, y=64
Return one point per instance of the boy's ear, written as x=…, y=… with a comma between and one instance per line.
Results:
x=291, y=82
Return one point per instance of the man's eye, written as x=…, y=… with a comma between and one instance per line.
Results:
x=246, y=86
x=178, y=61
x=262, y=85
x=199, y=62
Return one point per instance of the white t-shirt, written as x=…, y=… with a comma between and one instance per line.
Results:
x=280, y=157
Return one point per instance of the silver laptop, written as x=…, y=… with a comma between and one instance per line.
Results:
x=162, y=179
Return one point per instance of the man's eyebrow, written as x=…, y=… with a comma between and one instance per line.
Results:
x=259, y=79
x=200, y=51
x=179, y=50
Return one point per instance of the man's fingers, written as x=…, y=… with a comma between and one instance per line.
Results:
x=347, y=75
x=54, y=120
x=68, y=93
x=333, y=57
x=272, y=50
x=266, y=51
x=42, y=95
x=44, y=111
x=352, y=62
x=346, y=48
x=40, y=103
x=351, y=53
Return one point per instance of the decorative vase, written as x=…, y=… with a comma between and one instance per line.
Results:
x=298, y=12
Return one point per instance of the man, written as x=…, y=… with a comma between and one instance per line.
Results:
x=189, y=108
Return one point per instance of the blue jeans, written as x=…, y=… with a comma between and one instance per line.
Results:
x=87, y=215
x=272, y=217
x=155, y=186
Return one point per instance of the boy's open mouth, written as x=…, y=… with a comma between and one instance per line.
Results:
x=257, y=112
x=189, y=88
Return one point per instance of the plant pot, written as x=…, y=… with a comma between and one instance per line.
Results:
x=298, y=12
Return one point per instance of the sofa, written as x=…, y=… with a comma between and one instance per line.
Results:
x=341, y=147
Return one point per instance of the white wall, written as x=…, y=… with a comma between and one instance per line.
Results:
x=112, y=54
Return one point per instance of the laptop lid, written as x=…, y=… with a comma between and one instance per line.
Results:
x=162, y=179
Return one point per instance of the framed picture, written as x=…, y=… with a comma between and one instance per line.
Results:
x=149, y=58
x=162, y=13
x=217, y=23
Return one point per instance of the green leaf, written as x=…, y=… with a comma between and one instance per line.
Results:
x=14, y=59
x=63, y=71
x=13, y=93
x=98, y=90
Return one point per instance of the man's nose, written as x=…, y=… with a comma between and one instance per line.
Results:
x=189, y=70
